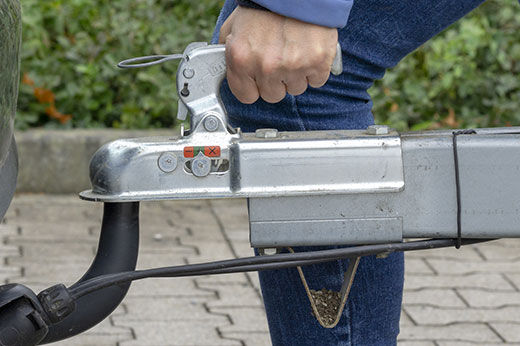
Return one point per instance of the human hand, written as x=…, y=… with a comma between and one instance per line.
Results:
x=268, y=55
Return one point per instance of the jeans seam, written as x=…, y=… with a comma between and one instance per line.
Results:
x=297, y=112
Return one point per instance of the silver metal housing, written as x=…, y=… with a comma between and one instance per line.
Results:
x=291, y=164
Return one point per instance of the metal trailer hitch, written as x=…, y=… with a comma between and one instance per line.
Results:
x=370, y=189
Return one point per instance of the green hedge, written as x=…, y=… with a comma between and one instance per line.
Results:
x=71, y=47
x=466, y=77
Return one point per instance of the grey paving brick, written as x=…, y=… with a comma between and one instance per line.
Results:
x=94, y=339
x=462, y=343
x=497, y=252
x=417, y=266
x=167, y=309
x=9, y=251
x=432, y=315
x=243, y=318
x=434, y=297
x=47, y=212
x=232, y=295
x=483, y=281
x=470, y=332
x=57, y=272
x=8, y=230
x=506, y=242
x=70, y=251
x=190, y=217
x=208, y=250
x=255, y=280
x=167, y=287
x=464, y=268
x=490, y=299
x=405, y=320
x=464, y=254
x=509, y=331
x=515, y=279
x=8, y=274
x=415, y=343
x=162, y=258
x=250, y=338
x=176, y=333
x=70, y=229
x=223, y=279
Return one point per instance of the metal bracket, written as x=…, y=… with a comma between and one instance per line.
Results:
x=348, y=280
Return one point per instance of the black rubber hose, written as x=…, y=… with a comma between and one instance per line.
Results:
x=117, y=252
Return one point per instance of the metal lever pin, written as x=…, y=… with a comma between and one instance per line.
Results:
x=149, y=60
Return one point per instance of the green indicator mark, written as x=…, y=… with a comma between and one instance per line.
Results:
x=197, y=150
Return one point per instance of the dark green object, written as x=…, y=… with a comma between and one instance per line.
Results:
x=10, y=38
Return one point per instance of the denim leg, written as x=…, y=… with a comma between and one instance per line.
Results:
x=378, y=35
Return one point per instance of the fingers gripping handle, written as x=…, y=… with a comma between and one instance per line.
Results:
x=199, y=77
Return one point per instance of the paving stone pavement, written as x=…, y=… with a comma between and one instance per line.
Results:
x=452, y=297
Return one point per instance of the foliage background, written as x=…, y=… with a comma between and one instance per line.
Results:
x=468, y=76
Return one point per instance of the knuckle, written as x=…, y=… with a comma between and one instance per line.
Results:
x=239, y=56
x=270, y=67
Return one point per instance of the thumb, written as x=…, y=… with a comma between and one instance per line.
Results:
x=225, y=30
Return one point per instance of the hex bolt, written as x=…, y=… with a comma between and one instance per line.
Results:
x=188, y=73
x=167, y=162
x=211, y=123
x=201, y=165
x=378, y=130
x=266, y=133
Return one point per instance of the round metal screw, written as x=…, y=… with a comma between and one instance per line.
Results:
x=188, y=73
x=167, y=162
x=266, y=133
x=211, y=123
x=378, y=130
x=201, y=165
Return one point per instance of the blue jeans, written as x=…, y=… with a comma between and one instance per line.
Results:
x=378, y=35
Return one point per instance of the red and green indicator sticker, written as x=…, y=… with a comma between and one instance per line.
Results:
x=209, y=151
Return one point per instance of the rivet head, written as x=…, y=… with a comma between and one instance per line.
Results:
x=188, y=73
x=378, y=130
x=211, y=123
x=167, y=162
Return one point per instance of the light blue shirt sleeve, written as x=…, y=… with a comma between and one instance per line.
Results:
x=331, y=13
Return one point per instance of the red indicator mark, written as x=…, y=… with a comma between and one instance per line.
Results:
x=189, y=151
x=212, y=151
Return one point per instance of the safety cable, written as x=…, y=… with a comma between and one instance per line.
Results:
x=259, y=263
x=458, y=243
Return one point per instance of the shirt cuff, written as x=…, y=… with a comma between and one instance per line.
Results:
x=250, y=4
x=330, y=13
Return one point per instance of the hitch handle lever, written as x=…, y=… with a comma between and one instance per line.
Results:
x=200, y=75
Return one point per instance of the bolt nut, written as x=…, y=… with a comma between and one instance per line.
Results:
x=211, y=123
x=188, y=73
x=266, y=133
x=167, y=162
x=378, y=130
